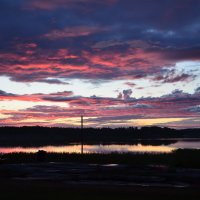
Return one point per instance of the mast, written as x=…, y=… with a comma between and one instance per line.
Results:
x=81, y=134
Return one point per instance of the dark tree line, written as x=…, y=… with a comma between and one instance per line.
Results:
x=45, y=135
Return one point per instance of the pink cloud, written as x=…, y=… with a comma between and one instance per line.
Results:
x=34, y=97
x=33, y=64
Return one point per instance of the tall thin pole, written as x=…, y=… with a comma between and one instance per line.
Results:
x=81, y=134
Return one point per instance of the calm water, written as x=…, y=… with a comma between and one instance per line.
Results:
x=106, y=148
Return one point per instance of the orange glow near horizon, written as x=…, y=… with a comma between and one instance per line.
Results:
x=145, y=122
x=91, y=149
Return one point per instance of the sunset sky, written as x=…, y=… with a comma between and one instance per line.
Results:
x=117, y=62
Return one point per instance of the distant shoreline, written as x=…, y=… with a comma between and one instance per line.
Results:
x=28, y=136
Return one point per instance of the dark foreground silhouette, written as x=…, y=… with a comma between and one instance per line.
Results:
x=101, y=177
x=32, y=190
x=116, y=176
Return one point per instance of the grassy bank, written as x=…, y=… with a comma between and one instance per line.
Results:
x=178, y=158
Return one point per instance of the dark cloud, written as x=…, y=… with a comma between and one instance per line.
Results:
x=195, y=109
x=130, y=84
x=173, y=78
x=127, y=94
x=54, y=81
x=78, y=31
x=5, y=94
x=141, y=106
x=58, y=97
x=56, y=4
x=197, y=90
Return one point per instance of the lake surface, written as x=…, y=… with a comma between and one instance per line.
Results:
x=120, y=148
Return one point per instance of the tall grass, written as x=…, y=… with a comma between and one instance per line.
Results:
x=178, y=158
